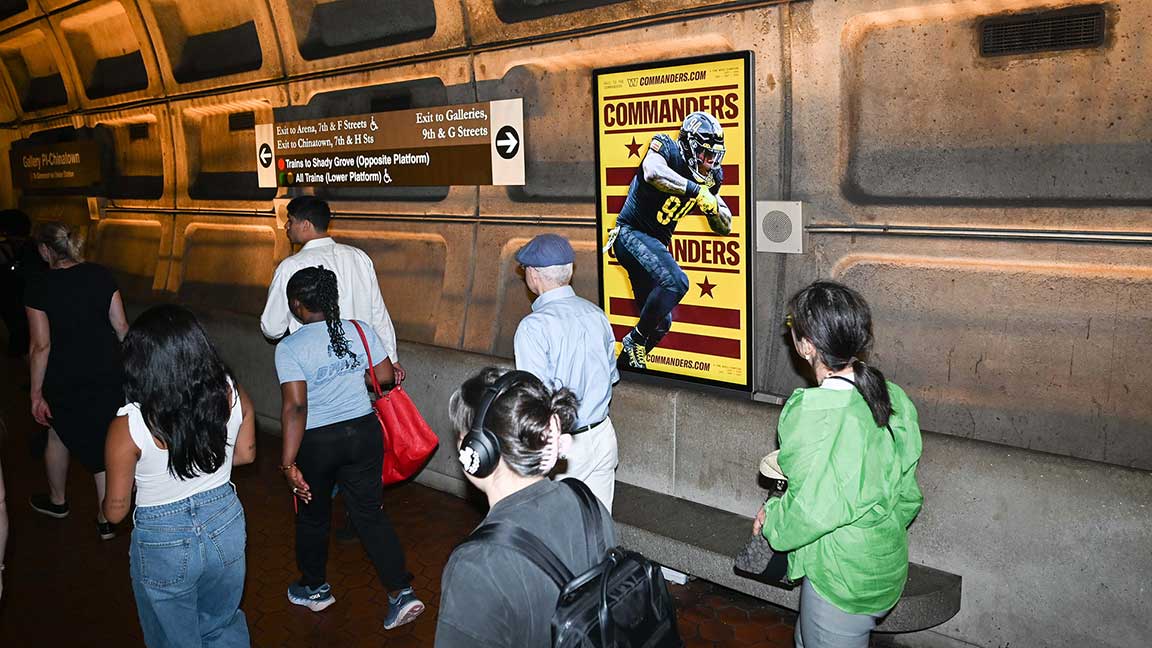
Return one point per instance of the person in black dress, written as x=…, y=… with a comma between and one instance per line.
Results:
x=76, y=319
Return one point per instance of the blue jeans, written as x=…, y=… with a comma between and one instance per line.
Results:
x=823, y=625
x=187, y=567
x=658, y=283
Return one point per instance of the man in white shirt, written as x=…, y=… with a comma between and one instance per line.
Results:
x=360, y=297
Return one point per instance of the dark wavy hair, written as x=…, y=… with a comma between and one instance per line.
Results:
x=316, y=289
x=519, y=417
x=174, y=373
x=838, y=322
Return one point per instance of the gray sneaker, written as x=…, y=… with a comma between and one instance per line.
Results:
x=403, y=609
x=313, y=598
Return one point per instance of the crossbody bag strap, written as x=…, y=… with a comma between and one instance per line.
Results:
x=527, y=545
x=371, y=367
x=593, y=525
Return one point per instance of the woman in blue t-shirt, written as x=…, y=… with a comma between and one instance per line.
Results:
x=332, y=436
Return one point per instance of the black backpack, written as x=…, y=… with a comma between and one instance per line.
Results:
x=621, y=602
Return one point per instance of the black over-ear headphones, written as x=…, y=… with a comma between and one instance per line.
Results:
x=480, y=450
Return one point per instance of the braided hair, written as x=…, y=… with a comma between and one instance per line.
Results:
x=838, y=322
x=315, y=289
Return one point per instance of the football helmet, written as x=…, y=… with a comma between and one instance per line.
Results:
x=701, y=133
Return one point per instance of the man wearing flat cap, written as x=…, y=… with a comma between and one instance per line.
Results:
x=566, y=341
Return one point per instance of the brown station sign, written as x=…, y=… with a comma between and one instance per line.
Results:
x=470, y=144
x=68, y=165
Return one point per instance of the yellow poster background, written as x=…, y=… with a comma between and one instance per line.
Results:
x=709, y=338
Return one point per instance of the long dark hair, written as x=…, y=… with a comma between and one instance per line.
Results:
x=519, y=418
x=173, y=372
x=838, y=322
x=315, y=288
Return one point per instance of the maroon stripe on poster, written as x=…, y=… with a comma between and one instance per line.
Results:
x=706, y=315
x=616, y=203
x=657, y=129
x=704, y=344
x=622, y=176
x=698, y=268
x=661, y=93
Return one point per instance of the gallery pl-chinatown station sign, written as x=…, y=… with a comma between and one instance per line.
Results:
x=469, y=144
x=67, y=165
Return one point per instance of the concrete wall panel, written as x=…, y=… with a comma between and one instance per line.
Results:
x=144, y=160
x=223, y=261
x=110, y=53
x=210, y=44
x=318, y=35
x=215, y=166
x=133, y=247
x=930, y=120
x=508, y=20
x=36, y=72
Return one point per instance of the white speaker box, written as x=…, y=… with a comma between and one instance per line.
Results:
x=780, y=227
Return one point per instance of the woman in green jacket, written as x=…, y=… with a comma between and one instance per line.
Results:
x=849, y=449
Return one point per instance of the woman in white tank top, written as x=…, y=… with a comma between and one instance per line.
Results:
x=187, y=423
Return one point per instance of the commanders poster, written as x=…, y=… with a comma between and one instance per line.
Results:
x=676, y=267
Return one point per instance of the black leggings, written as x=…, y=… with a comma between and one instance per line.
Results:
x=349, y=453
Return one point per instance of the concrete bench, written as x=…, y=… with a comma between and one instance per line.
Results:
x=702, y=541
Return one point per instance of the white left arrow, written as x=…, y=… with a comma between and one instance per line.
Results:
x=266, y=156
x=509, y=143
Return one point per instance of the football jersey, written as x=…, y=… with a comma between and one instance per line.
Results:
x=653, y=211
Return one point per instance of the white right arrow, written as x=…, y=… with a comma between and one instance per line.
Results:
x=509, y=143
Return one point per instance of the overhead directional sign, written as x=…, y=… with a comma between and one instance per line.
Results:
x=469, y=144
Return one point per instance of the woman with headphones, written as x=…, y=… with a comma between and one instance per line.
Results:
x=331, y=436
x=512, y=430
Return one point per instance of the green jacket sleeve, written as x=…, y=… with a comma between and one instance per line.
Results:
x=814, y=503
x=909, y=499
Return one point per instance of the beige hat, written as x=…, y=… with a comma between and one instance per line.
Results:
x=770, y=468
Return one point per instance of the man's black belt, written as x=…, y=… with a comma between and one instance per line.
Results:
x=584, y=428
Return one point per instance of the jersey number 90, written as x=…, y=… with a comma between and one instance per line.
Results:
x=674, y=209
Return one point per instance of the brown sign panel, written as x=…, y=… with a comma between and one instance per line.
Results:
x=68, y=165
x=470, y=144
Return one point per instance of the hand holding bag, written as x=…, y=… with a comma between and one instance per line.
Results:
x=408, y=440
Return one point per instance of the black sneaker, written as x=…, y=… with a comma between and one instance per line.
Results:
x=106, y=530
x=43, y=504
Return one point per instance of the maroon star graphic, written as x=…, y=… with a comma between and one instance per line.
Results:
x=634, y=148
x=706, y=288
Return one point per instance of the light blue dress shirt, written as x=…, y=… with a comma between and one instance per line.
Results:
x=566, y=341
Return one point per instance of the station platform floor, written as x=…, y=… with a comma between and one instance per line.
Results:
x=64, y=586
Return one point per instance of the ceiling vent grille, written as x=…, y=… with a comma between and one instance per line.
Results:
x=1076, y=28
x=137, y=132
x=242, y=121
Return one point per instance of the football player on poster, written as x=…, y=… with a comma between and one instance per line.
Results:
x=673, y=178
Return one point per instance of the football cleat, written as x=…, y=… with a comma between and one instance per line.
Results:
x=634, y=354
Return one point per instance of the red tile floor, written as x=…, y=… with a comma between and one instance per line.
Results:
x=65, y=587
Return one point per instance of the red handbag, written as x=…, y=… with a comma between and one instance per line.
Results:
x=408, y=440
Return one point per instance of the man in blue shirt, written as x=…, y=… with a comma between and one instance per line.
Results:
x=567, y=341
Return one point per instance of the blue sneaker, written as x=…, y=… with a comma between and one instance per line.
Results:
x=313, y=598
x=403, y=609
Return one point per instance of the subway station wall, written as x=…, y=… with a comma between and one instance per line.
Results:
x=880, y=115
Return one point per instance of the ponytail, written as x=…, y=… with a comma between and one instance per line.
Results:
x=872, y=386
x=838, y=322
x=64, y=242
x=317, y=290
